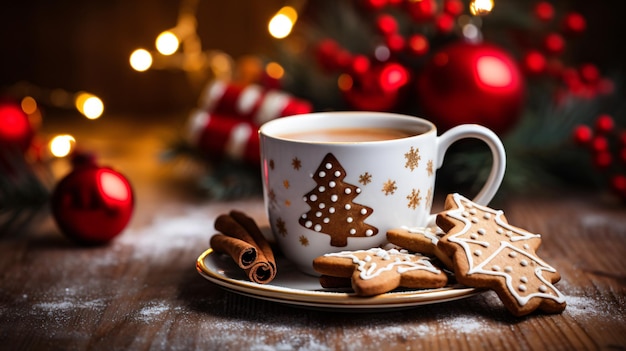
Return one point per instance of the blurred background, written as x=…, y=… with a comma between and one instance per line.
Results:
x=85, y=45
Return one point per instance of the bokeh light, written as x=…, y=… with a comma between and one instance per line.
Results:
x=481, y=7
x=281, y=24
x=62, y=145
x=274, y=70
x=89, y=105
x=29, y=105
x=140, y=60
x=167, y=43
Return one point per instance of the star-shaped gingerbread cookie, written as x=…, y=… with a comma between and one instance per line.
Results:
x=488, y=252
x=377, y=271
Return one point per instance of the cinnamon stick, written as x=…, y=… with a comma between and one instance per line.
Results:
x=243, y=253
x=245, y=235
x=255, y=232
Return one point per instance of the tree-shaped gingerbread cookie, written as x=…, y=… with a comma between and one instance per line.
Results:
x=332, y=210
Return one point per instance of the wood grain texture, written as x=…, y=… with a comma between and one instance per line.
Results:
x=142, y=291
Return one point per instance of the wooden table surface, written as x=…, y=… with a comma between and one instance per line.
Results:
x=142, y=291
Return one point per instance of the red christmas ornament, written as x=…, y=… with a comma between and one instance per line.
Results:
x=250, y=103
x=471, y=83
x=92, y=204
x=226, y=124
x=16, y=131
x=218, y=136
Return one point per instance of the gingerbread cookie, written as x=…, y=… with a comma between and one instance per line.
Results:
x=332, y=210
x=377, y=271
x=422, y=240
x=488, y=252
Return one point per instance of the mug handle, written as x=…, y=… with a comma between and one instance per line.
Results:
x=498, y=167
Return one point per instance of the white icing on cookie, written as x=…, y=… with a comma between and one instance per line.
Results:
x=482, y=264
x=400, y=260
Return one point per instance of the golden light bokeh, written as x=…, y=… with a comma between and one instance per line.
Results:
x=62, y=145
x=89, y=105
x=29, y=105
x=167, y=43
x=481, y=7
x=274, y=70
x=282, y=23
x=140, y=60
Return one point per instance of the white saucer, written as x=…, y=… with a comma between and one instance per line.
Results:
x=296, y=288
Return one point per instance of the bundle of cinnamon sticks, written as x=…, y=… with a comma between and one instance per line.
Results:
x=241, y=239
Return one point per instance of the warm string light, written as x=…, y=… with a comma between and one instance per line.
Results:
x=180, y=48
x=62, y=145
x=32, y=96
x=281, y=24
x=283, y=21
x=481, y=7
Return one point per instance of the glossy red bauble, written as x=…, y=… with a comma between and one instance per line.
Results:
x=471, y=83
x=92, y=204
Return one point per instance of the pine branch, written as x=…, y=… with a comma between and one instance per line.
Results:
x=24, y=191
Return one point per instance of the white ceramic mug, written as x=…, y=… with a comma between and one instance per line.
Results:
x=326, y=196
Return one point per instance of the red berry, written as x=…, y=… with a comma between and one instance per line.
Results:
x=360, y=64
x=375, y=4
x=554, y=43
x=453, y=7
x=589, y=73
x=343, y=59
x=582, y=134
x=418, y=45
x=544, y=11
x=603, y=159
x=574, y=23
x=618, y=183
x=535, y=62
x=395, y=42
x=604, y=123
x=422, y=11
x=387, y=24
x=444, y=23
x=622, y=138
x=600, y=144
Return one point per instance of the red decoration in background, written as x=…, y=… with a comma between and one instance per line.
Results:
x=92, y=204
x=379, y=89
x=422, y=11
x=544, y=11
x=608, y=150
x=16, y=131
x=471, y=83
x=534, y=63
x=227, y=121
x=574, y=23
